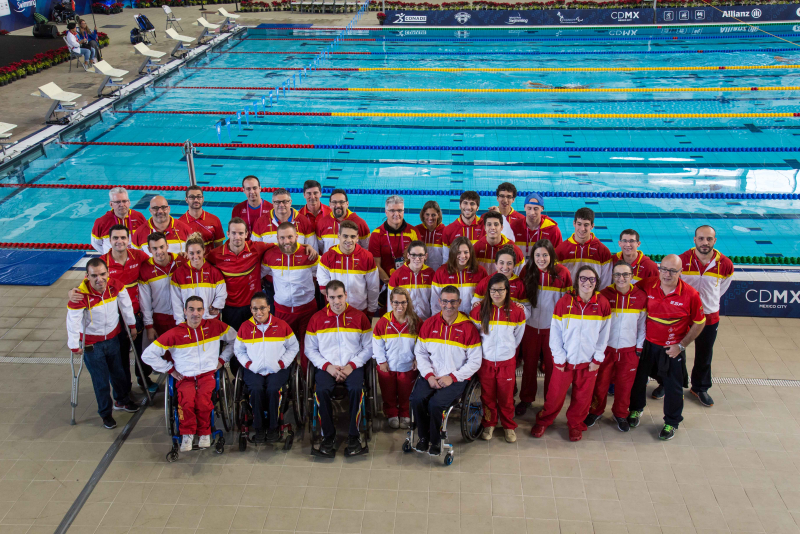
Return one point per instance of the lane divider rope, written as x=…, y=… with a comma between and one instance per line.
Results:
x=474, y=115
x=528, y=90
x=659, y=149
x=528, y=39
x=427, y=192
x=519, y=69
x=523, y=53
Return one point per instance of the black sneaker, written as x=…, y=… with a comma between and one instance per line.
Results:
x=623, y=424
x=353, y=445
x=658, y=393
x=435, y=449
x=667, y=433
x=704, y=398
x=521, y=408
x=127, y=406
x=328, y=445
x=422, y=445
x=273, y=435
x=260, y=436
x=633, y=419
x=109, y=423
x=591, y=419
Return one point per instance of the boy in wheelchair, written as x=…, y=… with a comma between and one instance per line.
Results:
x=266, y=347
x=338, y=343
x=195, y=350
x=448, y=353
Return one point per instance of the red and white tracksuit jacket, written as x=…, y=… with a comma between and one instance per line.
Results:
x=208, y=226
x=418, y=286
x=448, y=349
x=393, y=343
x=505, y=332
x=358, y=273
x=242, y=271
x=593, y=253
x=251, y=215
x=486, y=254
x=266, y=229
x=339, y=339
x=206, y=283
x=434, y=243
x=96, y=317
x=465, y=281
x=128, y=274
x=518, y=293
x=323, y=211
x=100, y=239
x=551, y=289
x=628, y=317
x=155, y=296
x=457, y=228
x=711, y=280
x=579, y=330
x=327, y=230
x=194, y=351
x=525, y=237
x=177, y=233
x=265, y=348
x=643, y=266
x=292, y=275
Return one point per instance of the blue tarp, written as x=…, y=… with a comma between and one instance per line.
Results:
x=36, y=267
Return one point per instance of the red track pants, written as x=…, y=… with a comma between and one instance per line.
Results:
x=582, y=388
x=619, y=367
x=535, y=343
x=194, y=404
x=395, y=390
x=497, y=392
x=297, y=318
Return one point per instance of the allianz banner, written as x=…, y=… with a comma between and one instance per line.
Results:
x=762, y=299
x=555, y=17
x=693, y=15
x=16, y=14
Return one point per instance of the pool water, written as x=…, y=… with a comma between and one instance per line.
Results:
x=418, y=155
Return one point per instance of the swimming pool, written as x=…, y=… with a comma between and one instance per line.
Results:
x=353, y=126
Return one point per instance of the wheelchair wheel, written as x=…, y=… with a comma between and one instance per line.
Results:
x=471, y=411
x=308, y=393
x=299, y=406
x=169, y=407
x=238, y=397
x=225, y=399
x=372, y=391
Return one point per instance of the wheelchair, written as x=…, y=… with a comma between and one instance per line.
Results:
x=222, y=400
x=243, y=412
x=367, y=410
x=470, y=410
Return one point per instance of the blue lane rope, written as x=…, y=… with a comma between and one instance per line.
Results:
x=576, y=39
x=563, y=53
x=564, y=194
x=635, y=149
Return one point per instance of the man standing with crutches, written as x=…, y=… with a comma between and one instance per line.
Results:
x=92, y=328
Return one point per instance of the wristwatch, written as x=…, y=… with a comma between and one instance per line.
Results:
x=680, y=346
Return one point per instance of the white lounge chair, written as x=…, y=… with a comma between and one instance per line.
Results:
x=5, y=133
x=111, y=77
x=230, y=19
x=151, y=57
x=208, y=29
x=171, y=20
x=224, y=12
x=179, y=46
x=63, y=102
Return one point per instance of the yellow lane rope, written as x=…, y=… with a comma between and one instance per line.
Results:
x=571, y=115
x=580, y=69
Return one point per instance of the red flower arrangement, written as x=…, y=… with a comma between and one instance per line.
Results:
x=43, y=60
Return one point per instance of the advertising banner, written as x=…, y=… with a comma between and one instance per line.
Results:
x=16, y=14
x=594, y=17
x=761, y=299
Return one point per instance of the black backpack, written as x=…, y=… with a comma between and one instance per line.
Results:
x=136, y=36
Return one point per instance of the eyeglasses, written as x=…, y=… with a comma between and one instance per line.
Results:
x=673, y=272
x=194, y=197
x=416, y=256
x=283, y=202
x=587, y=279
x=628, y=241
x=338, y=202
x=159, y=208
x=396, y=212
x=622, y=275
x=259, y=309
x=506, y=197
x=494, y=291
x=453, y=302
x=399, y=303
x=118, y=202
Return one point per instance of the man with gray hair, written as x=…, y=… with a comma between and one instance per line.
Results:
x=176, y=232
x=120, y=213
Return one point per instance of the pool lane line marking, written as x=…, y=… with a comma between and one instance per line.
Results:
x=528, y=90
x=520, y=69
x=526, y=39
x=519, y=53
x=634, y=149
x=103, y=466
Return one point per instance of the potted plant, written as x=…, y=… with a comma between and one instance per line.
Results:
x=381, y=17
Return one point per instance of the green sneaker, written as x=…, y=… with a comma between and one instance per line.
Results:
x=633, y=418
x=667, y=433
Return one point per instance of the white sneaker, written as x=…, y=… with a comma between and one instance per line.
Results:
x=394, y=422
x=186, y=444
x=204, y=442
x=487, y=433
x=405, y=422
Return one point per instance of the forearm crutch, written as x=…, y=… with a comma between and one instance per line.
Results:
x=73, y=399
x=139, y=366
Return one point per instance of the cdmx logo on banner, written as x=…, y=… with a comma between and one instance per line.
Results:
x=624, y=16
x=402, y=18
x=778, y=299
